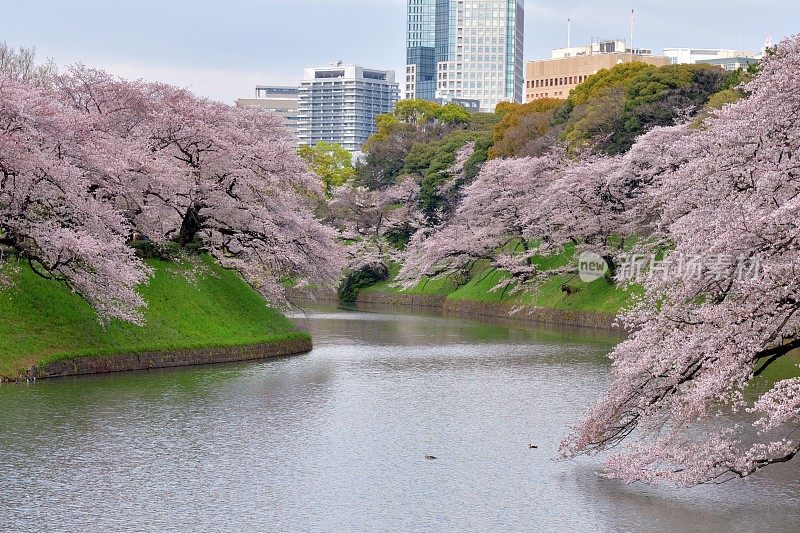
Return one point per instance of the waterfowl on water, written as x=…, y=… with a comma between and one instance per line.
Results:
x=532, y=447
x=430, y=457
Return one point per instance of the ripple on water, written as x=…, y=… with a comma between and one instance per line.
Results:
x=336, y=440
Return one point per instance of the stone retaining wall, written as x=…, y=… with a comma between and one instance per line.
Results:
x=476, y=309
x=394, y=298
x=152, y=360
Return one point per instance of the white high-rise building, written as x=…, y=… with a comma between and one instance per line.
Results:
x=477, y=46
x=281, y=100
x=340, y=104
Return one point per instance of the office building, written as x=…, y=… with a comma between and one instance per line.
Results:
x=731, y=63
x=283, y=101
x=681, y=56
x=421, y=50
x=596, y=46
x=340, y=104
x=569, y=67
x=465, y=49
x=470, y=104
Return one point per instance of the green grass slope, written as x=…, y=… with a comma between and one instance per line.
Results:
x=598, y=296
x=43, y=321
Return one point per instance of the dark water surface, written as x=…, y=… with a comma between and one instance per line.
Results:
x=335, y=441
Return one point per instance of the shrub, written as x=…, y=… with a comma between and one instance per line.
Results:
x=359, y=279
x=169, y=251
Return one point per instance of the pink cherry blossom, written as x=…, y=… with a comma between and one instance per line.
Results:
x=187, y=169
x=50, y=213
x=87, y=160
x=697, y=343
x=728, y=189
x=368, y=218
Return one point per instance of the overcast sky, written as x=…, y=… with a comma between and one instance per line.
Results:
x=223, y=48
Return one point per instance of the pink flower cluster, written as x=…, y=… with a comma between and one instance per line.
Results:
x=730, y=188
x=88, y=160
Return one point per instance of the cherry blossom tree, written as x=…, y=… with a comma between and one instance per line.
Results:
x=20, y=63
x=450, y=190
x=49, y=214
x=492, y=214
x=198, y=172
x=595, y=203
x=88, y=160
x=378, y=223
x=245, y=194
x=683, y=384
x=375, y=222
x=520, y=208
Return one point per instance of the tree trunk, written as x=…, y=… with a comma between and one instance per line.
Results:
x=612, y=269
x=192, y=222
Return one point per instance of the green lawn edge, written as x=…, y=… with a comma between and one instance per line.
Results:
x=598, y=296
x=188, y=307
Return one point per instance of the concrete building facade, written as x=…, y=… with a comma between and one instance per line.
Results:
x=340, y=104
x=465, y=49
x=569, y=67
x=731, y=63
x=470, y=104
x=281, y=100
x=682, y=56
x=611, y=46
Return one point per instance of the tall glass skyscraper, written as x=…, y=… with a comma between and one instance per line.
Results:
x=465, y=49
x=421, y=48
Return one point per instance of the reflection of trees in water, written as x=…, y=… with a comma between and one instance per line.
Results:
x=429, y=340
x=728, y=507
x=99, y=418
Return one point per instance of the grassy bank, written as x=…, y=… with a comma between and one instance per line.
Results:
x=598, y=297
x=566, y=292
x=42, y=321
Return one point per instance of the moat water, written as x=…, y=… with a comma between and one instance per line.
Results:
x=335, y=440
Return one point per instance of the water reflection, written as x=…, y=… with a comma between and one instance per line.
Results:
x=335, y=440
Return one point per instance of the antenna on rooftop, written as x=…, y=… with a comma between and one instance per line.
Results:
x=569, y=33
x=633, y=20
